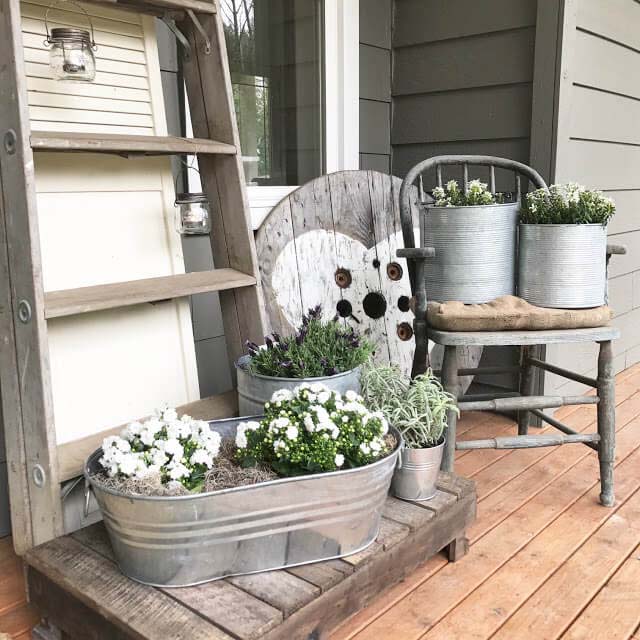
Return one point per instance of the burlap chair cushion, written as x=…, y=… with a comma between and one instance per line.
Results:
x=509, y=313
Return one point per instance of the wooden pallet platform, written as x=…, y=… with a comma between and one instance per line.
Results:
x=76, y=585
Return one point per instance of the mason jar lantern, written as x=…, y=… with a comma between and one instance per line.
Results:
x=71, y=49
x=192, y=213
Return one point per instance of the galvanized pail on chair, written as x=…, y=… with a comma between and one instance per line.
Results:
x=475, y=257
x=563, y=266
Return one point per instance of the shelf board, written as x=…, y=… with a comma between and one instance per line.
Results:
x=72, y=455
x=125, y=145
x=156, y=7
x=70, y=302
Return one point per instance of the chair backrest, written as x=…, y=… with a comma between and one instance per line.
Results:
x=519, y=169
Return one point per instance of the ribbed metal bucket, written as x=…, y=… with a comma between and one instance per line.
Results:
x=187, y=540
x=563, y=265
x=255, y=389
x=417, y=473
x=475, y=255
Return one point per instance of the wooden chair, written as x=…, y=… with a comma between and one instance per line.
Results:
x=603, y=441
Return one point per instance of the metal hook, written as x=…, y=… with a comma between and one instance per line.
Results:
x=53, y=5
x=200, y=28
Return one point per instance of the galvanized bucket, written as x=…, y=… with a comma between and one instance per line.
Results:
x=417, y=473
x=187, y=540
x=255, y=389
x=475, y=259
x=563, y=266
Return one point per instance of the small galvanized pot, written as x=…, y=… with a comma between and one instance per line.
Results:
x=178, y=541
x=255, y=389
x=475, y=259
x=563, y=266
x=416, y=475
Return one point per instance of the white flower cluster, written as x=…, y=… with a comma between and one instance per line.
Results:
x=450, y=196
x=297, y=420
x=178, y=449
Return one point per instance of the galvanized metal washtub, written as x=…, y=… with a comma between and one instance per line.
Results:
x=563, y=265
x=475, y=257
x=417, y=472
x=255, y=389
x=187, y=540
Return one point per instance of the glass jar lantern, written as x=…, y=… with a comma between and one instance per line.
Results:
x=192, y=214
x=71, y=50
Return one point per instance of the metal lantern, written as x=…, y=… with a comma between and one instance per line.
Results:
x=192, y=212
x=71, y=49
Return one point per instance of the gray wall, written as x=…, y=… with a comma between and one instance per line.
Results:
x=598, y=144
x=462, y=83
x=5, y=517
x=375, y=84
x=211, y=350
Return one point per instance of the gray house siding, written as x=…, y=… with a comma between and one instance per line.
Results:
x=462, y=83
x=5, y=517
x=375, y=84
x=598, y=144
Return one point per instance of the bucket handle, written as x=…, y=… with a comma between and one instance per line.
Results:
x=87, y=497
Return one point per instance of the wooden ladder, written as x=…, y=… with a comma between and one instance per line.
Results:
x=26, y=399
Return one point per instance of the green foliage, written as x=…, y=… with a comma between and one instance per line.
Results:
x=317, y=349
x=477, y=194
x=566, y=204
x=417, y=408
x=312, y=430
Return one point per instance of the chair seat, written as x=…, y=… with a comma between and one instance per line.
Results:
x=505, y=338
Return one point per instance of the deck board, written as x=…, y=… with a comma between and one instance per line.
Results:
x=537, y=517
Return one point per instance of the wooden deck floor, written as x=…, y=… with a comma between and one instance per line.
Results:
x=546, y=560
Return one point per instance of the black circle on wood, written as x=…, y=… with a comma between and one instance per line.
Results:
x=344, y=309
x=404, y=331
x=10, y=140
x=376, y=263
x=394, y=271
x=374, y=305
x=343, y=278
x=404, y=303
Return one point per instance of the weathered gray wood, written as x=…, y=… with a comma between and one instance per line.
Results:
x=280, y=589
x=122, y=294
x=527, y=442
x=24, y=358
x=160, y=6
x=320, y=574
x=483, y=371
x=527, y=379
x=531, y=402
x=407, y=513
x=451, y=385
x=519, y=338
x=208, y=84
x=458, y=549
x=565, y=373
x=559, y=425
x=606, y=422
x=126, y=144
x=98, y=584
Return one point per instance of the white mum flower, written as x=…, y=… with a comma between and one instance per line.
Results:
x=169, y=414
x=318, y=387
x=282, y=395
x=109, y=442
x=375, y=446
x=279, y=444
x=292, y=432
x=351, y=395
x=339, y=460
x=158, y=457
x=147, y=437
x=241, y=439
x=324, y=397
x=212, y=444
x=129, y=464
x=279, y=423
x=364, y=447
x=309, y=424
x=173, y=448
x=178, y=471
x=200, y=456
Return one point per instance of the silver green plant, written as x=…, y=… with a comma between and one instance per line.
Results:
x=417, y=408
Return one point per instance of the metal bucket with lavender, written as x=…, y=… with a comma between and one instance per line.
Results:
x=325, y=351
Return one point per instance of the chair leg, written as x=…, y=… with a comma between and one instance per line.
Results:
x=450, y=384
x=527, y=376
x=606, y=422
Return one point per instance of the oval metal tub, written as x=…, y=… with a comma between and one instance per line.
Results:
x=187, y=540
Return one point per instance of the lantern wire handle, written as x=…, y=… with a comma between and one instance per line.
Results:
x=53, y=5
x=186, y=165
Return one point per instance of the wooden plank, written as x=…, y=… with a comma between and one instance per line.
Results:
x=122, y=294
x=19, y=620
x=126, y=144
x=614, y=612
x=322, y=615
x=321, y=574
x=72, y=455
x=97, y=584
x=208, y=84
x=24, y=358
x=280, y=589
x=155, y=6
x=407, y=513
x=230, y=608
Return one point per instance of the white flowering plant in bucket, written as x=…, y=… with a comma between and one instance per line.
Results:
x=313, y=429
x=477, y=194
x=176, y=449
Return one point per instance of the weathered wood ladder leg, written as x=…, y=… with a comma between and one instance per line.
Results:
x=450, y=384
x=527, y=377
x=606, y=422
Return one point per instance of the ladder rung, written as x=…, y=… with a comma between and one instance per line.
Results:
x=156, y=6
x=125, y=144
x=70, y=302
